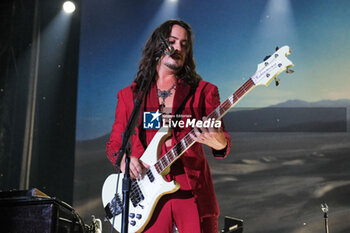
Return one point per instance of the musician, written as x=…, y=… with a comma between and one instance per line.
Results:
x=176, y=88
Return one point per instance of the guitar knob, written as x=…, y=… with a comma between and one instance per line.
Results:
x=133, y=223
x=267, y=57
x=132, y=215
x=138, y=216
x=277, y=81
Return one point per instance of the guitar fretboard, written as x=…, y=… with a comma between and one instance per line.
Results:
x=176, y=151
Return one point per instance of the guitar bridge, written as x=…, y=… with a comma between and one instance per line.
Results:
x=114, y=207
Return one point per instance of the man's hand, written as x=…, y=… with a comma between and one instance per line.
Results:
x=210, y=136
x=137, y=167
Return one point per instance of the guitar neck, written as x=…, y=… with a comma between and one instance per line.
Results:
x=176, y=151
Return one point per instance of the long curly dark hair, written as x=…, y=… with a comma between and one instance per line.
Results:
x=188, y=72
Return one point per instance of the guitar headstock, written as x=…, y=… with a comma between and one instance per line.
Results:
x=272, y=67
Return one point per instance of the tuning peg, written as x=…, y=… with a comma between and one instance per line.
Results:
x=277, y=48
x=267, y=57
x=277, y=81
x=289, y=71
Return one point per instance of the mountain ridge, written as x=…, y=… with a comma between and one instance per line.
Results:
x=293, y=103
x=319, y=103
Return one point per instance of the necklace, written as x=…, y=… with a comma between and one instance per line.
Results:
x=164, y=94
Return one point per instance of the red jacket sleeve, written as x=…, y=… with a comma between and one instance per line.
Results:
x=212, y=101
x=124, y=107
x=118, y=127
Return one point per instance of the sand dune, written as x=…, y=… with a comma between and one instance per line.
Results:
x=329, y=186
x=275, y=182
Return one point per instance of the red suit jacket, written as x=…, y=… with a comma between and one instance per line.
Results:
x=199, y=103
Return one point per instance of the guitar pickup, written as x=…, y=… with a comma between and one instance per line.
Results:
x=136, y=195
x=150, y=175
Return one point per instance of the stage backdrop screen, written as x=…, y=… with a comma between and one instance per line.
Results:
x=290, y=143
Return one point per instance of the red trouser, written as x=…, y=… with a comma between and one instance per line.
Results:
x=180, y=209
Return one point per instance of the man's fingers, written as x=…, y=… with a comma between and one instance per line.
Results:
x=196, y=135
x=145, y=165
x=137, y=167
x=193, y=137
x=133, y=173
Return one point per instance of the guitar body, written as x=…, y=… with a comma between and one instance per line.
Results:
x=152, y=188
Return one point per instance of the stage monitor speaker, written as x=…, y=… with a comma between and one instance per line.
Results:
x=232, y=225
x=32, y=211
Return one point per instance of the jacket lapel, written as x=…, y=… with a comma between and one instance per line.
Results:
x=182, y=91
x=152, y=103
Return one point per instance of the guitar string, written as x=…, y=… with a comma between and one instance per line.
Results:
x=137, y=191
x=187, y=140
x=221, y=108
x=133, y=192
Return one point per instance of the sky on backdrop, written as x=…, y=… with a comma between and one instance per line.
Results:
x=231, y=38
